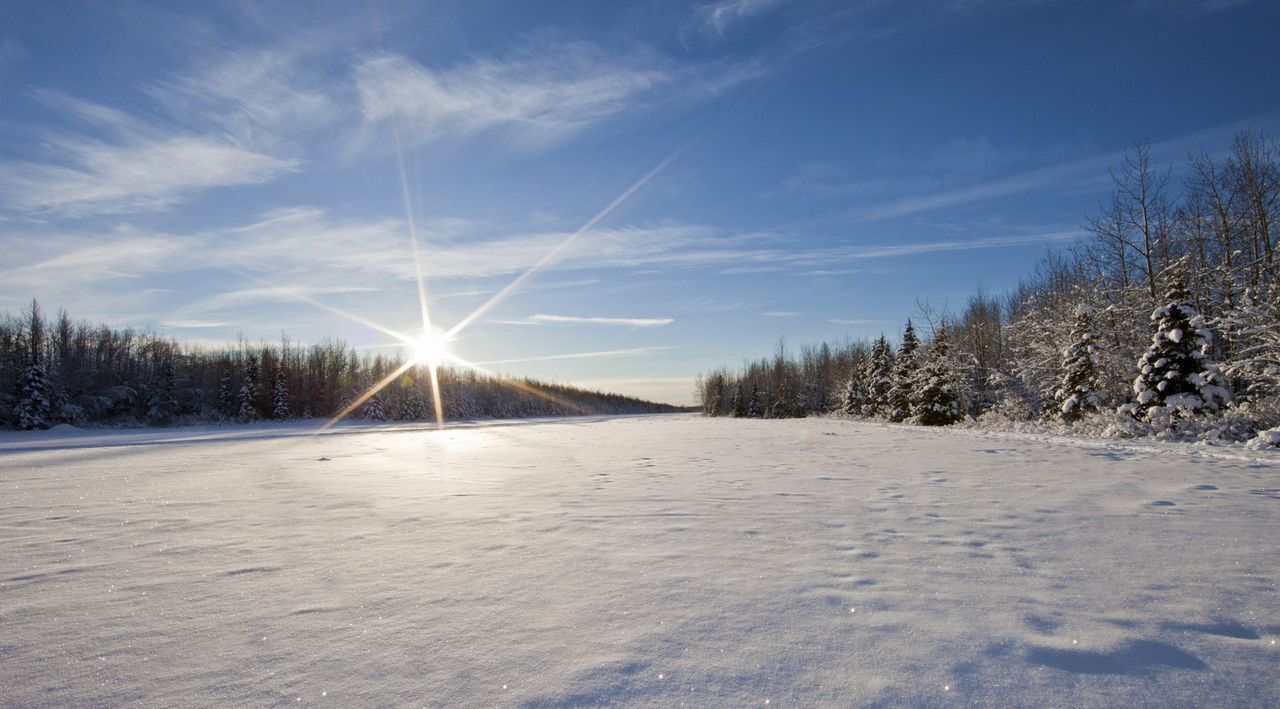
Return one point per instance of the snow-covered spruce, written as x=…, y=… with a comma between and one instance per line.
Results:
x=413, y=406
x=1080, y=360
x=248, y=410
x=879, y=379
x=162, y=406
x=937, y=401
x=373, y=409
x=1176, y=378
x=34, y=409
x=855, y=394
x=280, y=396
x=902, y=394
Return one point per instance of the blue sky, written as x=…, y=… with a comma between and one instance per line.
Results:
x=797, y=169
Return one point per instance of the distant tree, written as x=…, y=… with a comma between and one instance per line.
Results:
x=34, y=409
x=902, y=394
x=226, y=399
x=249, y=391
x=373, y=408
x=753, y=404
x=162, y=405
x=855, y=393
x=1080, y=362
x=413, y=405
x=280, y=395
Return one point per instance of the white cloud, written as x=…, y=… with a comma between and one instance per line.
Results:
x=719, y=16
x=543, y=319
x=633, y=352
x=259, y=97
x=534, y=99
x=233, y=122
x=779, y=314
x=100, y=177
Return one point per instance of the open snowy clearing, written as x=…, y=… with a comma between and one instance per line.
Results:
x=646, y=561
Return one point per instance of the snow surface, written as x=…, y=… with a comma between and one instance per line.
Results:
x=643, y=561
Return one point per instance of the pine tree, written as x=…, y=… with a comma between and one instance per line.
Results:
x=879, y=379
x=938, y=400
x=373, y=409
x=1080, y=360
x=753, y=404
x=162, y=406
x=34, y=409
x=902, y=394
x=249, y=391
x=413, y=405
x=280, y=396
x=226, y=400
x=1175, y=374
x=855, y=393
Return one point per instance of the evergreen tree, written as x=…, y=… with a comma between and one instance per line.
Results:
x=879, y=379
x=226, y=400
x=1175, y=373
x=34, y=409
x=753, y=404
x=413, y=405
x=162, y=406
x=1080, y=361
x=280, y=395
x=739, y=401
x=855, y=393
x=249, y=391
x=938, y=399
x=373, y=409
x=902, y=394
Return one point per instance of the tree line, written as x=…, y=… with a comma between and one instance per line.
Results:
x=1164, y=319
x=74, y=372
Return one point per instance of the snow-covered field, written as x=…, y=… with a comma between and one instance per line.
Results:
x=646, y=561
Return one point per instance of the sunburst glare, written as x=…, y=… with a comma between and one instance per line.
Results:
x=431, y=348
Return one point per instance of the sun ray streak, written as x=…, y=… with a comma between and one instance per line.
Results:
x=436, y=400
x=413, y=229
x=382, y=384
x=563, y=245
x=522, y=386
x=285, y=291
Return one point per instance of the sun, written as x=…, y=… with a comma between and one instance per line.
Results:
x=431, y=348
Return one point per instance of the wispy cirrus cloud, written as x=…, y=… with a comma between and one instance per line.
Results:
x=1090, y=172
x=261, y=97
x=543, y=319
x=120, y=164
x=631, y=352
x=717, y=17
x=534, y=98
